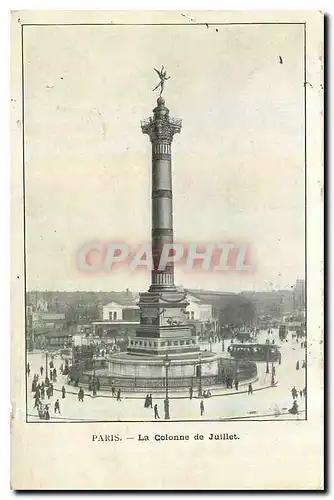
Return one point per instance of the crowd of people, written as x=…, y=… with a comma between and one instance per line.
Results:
x=46, y=377
x=43, y=389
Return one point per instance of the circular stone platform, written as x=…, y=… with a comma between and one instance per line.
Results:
x=185, y=365
x=135, y=373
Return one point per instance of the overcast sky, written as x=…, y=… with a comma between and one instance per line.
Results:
x=238, y=164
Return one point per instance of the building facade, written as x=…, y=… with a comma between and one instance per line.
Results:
x=203, y=315
x=299, y=296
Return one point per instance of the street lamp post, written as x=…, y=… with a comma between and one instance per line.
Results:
x=166, y=402
x=94, y=378
x=272, y=374
x=200, y=392
x=46, y=364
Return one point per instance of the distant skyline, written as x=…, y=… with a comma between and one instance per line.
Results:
x=288, y=288
x=238, y=164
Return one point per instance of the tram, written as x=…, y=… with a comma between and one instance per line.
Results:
x=243, y=336
x=255, y=352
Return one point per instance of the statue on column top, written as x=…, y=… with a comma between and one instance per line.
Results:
x=163, y=77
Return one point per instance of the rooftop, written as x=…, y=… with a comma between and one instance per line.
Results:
x=126, y=303
x=58, y=333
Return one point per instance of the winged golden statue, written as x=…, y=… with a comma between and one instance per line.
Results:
x=163, y=77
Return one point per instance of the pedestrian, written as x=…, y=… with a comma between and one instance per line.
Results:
x=191, y=391
x=51, y=390
x=47, y=413
x=297, y=365
x=63, y=392
x=54, y=373
x=81, y=395
x=150, y=401
x=201, y=405
x=294, y=409
x=119, y=395
x=28, y=369
x=156, y=413
x=250, y=389
x=294, y=392
x=57, y=406
x=274, y=371
x=113, y=391
x=146, y=401
x=301, y=394
x=236, y=384
x=37, y=403
x=304, y=392
x=41, y=370
x=42, y=392
x=51, y=365
x=304, y=364
x=61, y=368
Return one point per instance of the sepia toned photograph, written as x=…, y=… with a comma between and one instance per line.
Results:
x=164, y=224
x=143, y=308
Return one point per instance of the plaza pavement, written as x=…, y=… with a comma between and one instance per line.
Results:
x=266, y=402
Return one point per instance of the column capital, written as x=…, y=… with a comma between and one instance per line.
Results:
x=161, y=127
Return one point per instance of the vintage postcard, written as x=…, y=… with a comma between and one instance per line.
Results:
x=167, y=286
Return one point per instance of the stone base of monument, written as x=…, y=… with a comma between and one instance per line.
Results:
x=132, y=373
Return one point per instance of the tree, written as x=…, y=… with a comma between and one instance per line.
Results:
x=274, y=310
x=238, y=313
x=247, y=312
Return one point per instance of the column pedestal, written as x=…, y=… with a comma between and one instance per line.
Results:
x=163, y=326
